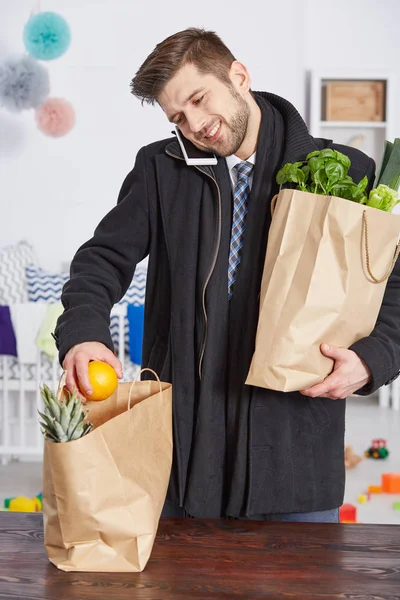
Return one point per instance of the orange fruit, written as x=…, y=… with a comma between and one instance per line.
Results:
x=103, y=380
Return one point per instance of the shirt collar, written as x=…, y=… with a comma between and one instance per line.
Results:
x=233, y=160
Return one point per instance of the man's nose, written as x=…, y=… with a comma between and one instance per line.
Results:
x=196, y=122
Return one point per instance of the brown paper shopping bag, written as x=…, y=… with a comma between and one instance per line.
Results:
x=325, y=273
x=103, y=493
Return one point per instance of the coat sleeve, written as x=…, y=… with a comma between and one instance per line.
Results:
x=103, y=267
x=381, y=349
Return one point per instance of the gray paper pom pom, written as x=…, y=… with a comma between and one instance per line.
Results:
x=24, y=83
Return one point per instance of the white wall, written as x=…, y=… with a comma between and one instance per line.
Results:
x=54, y=191
x=354, y=35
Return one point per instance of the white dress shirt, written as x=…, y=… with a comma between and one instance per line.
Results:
x=233, y=160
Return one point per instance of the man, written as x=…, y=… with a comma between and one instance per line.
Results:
x=239, y=451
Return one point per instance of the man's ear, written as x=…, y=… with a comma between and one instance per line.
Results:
x=239, y=77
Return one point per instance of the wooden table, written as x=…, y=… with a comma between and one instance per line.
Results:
x=216, y=559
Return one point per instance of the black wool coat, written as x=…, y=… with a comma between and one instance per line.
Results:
x=238, y=450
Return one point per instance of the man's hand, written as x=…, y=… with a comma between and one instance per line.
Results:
x=350, y=373
x=76, y=364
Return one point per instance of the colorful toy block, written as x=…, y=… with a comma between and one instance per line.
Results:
x=23, y=504
x=375, y=489
x=362, y=498
x=396, y=505
x=377, y=449
x=348, y=513
x=391, y=483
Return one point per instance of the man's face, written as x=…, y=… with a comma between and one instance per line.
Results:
x=211, y=114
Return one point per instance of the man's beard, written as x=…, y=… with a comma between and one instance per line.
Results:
x=236, y=127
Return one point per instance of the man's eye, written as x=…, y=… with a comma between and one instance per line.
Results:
x=178, y=120
x=196, y=102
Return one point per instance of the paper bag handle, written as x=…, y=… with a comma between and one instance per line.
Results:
x=61, y=384
x=136, y=379
x=367, y=257
x=273, y=204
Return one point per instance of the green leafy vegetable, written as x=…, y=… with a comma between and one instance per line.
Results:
x=385, y=159
x=383, y=198
x=390, y=170
x=326, y=172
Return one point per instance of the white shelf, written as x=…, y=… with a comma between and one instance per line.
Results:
x=351, y=75
x=16, y=451
x=369, y=136
x=29, y=385
x=354, y=124
x=15, y=421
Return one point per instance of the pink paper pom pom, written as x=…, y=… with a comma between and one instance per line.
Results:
x=55, y=117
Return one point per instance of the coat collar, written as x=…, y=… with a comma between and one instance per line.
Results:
x=174, y=149
x=298, y=141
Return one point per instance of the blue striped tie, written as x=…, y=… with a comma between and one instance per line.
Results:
x=240, y=196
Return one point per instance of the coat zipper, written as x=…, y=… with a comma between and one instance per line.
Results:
x=210, y=273
x=203, y=299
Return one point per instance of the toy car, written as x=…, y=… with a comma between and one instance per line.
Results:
x=377, y=450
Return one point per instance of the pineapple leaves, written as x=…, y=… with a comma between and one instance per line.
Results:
x=62, y=421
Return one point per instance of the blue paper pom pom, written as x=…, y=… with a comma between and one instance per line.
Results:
x=47, y=36
x=24, y=83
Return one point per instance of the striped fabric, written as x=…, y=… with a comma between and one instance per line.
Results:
x=135, y=295
x=47, y=287
x=28, y=373
x=44, y=286
x=13, y=261
x=240, y=196
x=46, y=374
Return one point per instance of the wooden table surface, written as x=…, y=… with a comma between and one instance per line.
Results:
x=194, y=558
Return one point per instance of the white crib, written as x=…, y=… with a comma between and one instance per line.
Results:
x=20, y=435
x=389, y=395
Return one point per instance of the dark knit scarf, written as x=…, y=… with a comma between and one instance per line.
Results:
x=218, y=468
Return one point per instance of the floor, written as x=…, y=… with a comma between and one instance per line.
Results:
x=365, y=421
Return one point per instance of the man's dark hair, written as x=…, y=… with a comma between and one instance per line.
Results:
x=204, y=49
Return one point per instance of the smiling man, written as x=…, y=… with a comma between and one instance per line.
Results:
x=216, y=116
x=239, y=451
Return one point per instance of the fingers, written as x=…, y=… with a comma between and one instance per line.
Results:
x=76, y=365
x=332, y=395
x=112, y=360
x=333, y=352
x=338, y=392
x=332, y=387
x=81, y=368
x=348, y=376
x=71, y=380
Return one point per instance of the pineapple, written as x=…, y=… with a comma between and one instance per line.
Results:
x=63, y=421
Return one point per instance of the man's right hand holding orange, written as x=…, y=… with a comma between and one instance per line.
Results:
x=76, y=363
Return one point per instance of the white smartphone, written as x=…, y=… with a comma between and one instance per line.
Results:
x=194, y=156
